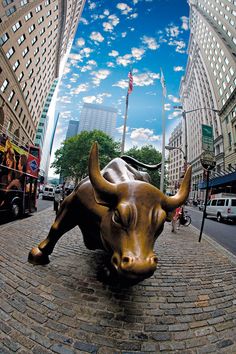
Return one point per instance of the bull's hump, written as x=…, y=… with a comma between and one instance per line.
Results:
x=118, y=171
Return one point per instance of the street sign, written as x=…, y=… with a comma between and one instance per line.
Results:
x=207, y=138
x=208, y=160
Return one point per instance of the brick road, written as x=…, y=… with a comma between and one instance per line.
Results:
x=187, y=306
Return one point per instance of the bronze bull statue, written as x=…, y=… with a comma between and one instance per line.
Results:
x=118, y=211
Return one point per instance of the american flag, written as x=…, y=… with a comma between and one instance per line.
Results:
x=130, y=88
x=163, y=84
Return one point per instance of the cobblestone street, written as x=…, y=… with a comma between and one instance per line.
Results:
x=187, y=306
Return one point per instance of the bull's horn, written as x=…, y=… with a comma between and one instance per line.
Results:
x=170, y=203
x=104, y=191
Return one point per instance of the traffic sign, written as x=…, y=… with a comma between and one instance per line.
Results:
x=207, y=138
x=208, y=160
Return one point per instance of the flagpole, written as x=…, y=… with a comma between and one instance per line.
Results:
x=125, y=123
x=163, y=133
x=163, y=145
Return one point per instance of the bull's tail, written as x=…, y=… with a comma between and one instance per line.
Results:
x=132, y=161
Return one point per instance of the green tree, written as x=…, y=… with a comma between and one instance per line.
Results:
x=71, y=160
x=148, y=155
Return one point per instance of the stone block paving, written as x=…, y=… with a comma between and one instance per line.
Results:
x=187, y=306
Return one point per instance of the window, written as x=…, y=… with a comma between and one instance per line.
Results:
x=15, y=66
x=28, y=16
x=10, y=11
x=213, y=202
x=4, y=85
x=25, y=51
x=36, y=51
x=229, y=139
x=34, y=40
x=220, y=202
x=16, y=26
x=24, y=2
x=7, y=2
x=28, y=63
x=4, y=38
x=47, y=2
x=42, y=31
x=40, y=20
x=31, y=28
x=21, y=39
x=38, y=8
x=11, y=96
x=16, y=105
x=48, y=13
x=21, y=76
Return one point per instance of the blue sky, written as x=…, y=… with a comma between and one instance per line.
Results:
x=111, y=37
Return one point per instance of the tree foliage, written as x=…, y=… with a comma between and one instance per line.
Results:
x=71, y=160
x=148, y=155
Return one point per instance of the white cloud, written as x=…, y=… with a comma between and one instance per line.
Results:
x=150, y=42
x=125, y=60
x=180, y=45
x=92, y=5
x=84, y=21
x=144, y=134
x=89, y=99
x=123, y=34
x=173, y=31
x=110, y=64
x=80, y=42
x=174, y=99
x=122, y=84
x=96, y=99
x=144, y=79
x=125, y=9
x=113, y=53
x=184, y=23
x=75, y=57
x=175, y=114
x=167, y=106
x=106, y=12
x=137, y=53
x=99, y=75
x=96, y=37
x=80, y=88
x=178, y=68
x=121, y=128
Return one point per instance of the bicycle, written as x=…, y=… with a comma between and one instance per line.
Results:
x=184, y=220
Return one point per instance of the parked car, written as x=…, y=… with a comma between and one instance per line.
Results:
x=48, y=192
x=222, y=207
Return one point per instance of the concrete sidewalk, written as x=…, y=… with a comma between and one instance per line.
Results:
x=187, y=306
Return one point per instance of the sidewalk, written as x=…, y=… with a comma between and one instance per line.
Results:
x=187, y=306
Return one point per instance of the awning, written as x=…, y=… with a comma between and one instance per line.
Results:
x=219, y=181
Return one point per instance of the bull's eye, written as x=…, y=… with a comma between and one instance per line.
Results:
x=116, y=217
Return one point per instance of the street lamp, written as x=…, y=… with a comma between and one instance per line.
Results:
x=170, y=148
x=185, y=122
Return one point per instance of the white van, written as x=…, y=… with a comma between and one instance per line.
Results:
x=48, y=192
x=222, y=206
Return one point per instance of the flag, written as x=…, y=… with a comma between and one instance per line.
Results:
x=130, y=88
x=163, y=84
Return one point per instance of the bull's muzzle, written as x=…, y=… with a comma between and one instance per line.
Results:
x=130, y=266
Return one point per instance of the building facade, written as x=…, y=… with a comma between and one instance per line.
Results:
x=72, y=129
x=209, y=85
x=176, y=159
x=35, y=37
x=98, y=117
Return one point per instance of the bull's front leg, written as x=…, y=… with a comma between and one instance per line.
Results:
x=65, y=221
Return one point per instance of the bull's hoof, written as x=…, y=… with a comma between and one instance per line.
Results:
x=37, y=257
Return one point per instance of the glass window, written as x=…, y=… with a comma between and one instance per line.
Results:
x=10, y=52
x=4, y=85
x=213, y=202
x=38, y=8
x=229, y=139
x=16, y=26
x=11, y=96
x=24, y=2
x=15, y=66
x=220, y=202
x=10, y=11
x=7, y=2
x=16, y=105
x=233, y=202
x=31, y=28
x=21, y=39
x=28, y=16
x=25, y=51
x=4, y=38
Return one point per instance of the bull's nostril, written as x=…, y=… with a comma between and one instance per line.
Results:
x=126, y=260
x=154, y=259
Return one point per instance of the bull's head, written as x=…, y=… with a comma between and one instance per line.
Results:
x=135, y=216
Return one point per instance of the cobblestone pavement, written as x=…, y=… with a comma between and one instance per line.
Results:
x=187, y=306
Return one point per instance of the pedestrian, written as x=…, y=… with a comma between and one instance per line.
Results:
x=177, y=215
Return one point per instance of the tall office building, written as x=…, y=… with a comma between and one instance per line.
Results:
x=98, y=117
x=72, y=129
x=176, y=159
x=35, y=38
x=210, y=83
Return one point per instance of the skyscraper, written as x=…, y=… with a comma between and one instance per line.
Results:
x=35, y=37
x=98, y=117
x=210, y=82
x=72, y=129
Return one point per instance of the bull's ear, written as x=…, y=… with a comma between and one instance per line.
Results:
x=105, y=192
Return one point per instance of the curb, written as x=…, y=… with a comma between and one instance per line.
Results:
x=215, y=244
